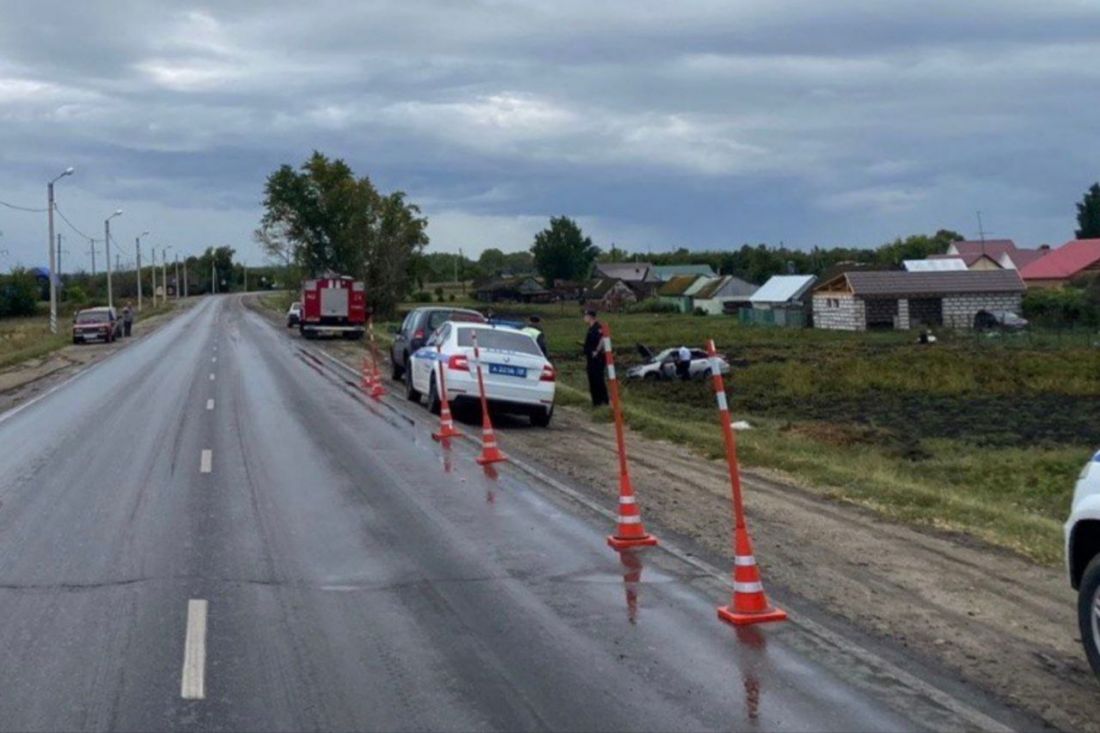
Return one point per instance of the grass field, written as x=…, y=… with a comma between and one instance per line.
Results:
x=980, y=435
x=22, y=339
x=983, y=435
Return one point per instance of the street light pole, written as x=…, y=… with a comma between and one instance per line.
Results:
x=107, y=244
x=137, y=247
x=164, y=271
x=49, y=248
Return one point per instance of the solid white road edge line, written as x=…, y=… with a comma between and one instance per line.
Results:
x=210, y=404
x=206, y=462
x=193, y=679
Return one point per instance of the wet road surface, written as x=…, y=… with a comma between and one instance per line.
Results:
x=208, y=531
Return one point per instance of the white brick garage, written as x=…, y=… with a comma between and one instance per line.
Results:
x=858, y=300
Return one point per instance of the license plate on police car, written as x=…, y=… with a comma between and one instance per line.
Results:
x=508, y=370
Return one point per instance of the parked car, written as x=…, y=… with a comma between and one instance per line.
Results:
x=294, y=314
x=418, y=325
x=994, y=320
x=96, y=324
x=517, y=377
x=1083, y=557
x=662, y=365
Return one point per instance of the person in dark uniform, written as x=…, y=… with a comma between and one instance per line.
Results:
x=127, y=320
x=594, y=360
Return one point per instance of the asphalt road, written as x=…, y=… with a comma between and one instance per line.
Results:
x=210, y=531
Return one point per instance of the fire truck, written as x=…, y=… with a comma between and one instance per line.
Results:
x=334, y=305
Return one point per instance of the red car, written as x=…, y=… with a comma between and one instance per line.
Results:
x=96, y=324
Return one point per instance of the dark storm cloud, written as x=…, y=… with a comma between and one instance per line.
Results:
x=701, y=124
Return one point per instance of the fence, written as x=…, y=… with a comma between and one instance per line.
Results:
x=785, y=317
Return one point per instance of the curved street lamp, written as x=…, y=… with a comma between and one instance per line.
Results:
x=49, y=248
x=107, y=239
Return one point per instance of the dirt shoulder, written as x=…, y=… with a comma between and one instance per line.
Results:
x=1000, y=622
x=26, y=379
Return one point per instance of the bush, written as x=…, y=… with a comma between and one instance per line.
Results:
x=699, y=312
x=652, y=306
x=422, y=296
x=452, y=297
x=1062, y=307
x=18, y=294
x=75, y=294
x=439, y=294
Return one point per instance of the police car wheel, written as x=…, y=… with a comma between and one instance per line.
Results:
x=1088, y=613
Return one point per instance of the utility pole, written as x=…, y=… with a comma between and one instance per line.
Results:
x=186, y=285
x=981, y=232
x=59, y=256
x=177, y=275
x=91, y=248
x=49, y=249
x=213, y=278
x=456, y=271
x=245, y=268
x=107, y=245
x=164, y=272
x=137, y=252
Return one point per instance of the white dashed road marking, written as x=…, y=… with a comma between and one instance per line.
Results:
x=210, y=404
x=193, y=682
x=211, y=376
x=213, y=359
x=206, y=463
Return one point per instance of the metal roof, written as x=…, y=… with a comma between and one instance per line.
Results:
x=782, y=288
x=938, y=265
x=1064, y=262
x=628, y=271
x=667, y=272
x=952, y=282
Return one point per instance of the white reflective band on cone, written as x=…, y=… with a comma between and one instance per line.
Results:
x=722, y=404
x=606, y=343
x=629, y=520
x=627, y=500
x=748, y=587
x=744, y=560
x=610, y=371
x=715, y=365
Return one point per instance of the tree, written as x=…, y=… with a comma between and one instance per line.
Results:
x=330, y=221
x=562, y=252
x=18, y=293
x=1088, y=214
x=491, y=261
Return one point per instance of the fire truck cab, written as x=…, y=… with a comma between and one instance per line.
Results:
x=334, y=305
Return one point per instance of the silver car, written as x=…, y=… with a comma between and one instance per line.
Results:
x=662, y=365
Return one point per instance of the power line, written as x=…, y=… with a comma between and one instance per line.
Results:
x=22, y=208
x=66, y=220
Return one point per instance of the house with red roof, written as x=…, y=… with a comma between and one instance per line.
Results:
x=1057, y=267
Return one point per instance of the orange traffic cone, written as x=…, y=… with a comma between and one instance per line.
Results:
x=367, y=381
x=377, y=389
x=490, y=453
x=446, y=422
x=749, y=604
x=630, y=531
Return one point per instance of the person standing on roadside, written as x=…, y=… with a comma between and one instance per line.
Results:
x=534, y=330
x=127, y=320
x=683, y=363
x=594, y=360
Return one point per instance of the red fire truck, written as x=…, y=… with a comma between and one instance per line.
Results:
x=334, y=305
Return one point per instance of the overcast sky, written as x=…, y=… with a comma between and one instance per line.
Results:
x=656, y=124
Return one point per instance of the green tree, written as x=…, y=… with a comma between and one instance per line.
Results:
x=330, y=221
x=491, y=261
x=562, y=252
x=1088, y=214
x=18, y=293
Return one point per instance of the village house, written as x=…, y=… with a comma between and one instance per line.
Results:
x=1077, y=258
x=861, y=300
x=664, y=273
x=784, y=300
x=724, y=294
x=514, y=290
x=679, y=291
x=609, y=295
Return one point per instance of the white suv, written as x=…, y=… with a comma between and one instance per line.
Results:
x=1083, y=557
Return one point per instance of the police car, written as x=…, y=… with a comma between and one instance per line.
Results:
x=1083, y=557
x=517, y=377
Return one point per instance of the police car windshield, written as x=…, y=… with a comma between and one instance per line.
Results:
x=499, y=340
